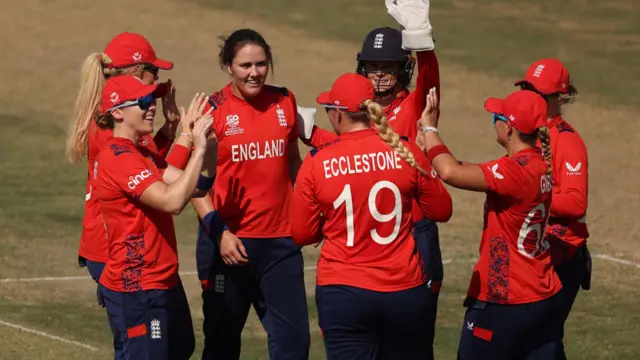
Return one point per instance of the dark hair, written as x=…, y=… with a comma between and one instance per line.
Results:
x=239, y=38
x=105, y=121
x=569, y=97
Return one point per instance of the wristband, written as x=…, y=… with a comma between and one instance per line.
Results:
x=179, y=156
x=205, y=183
x=437, y=150
x=429, y=128
x=213, y=225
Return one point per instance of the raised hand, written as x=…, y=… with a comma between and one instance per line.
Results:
x=169, y=107
x=413, y=15
x=201, y=129
x=429, y=116
x=196, y=107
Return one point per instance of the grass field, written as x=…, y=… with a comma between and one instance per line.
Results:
x=483, y=46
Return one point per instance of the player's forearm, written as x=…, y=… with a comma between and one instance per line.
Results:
x=320, y=137
x=203, y=205
x=437, y=206
x=570, y=204
x=179, y=193
x=294, y=166
x=168, y=130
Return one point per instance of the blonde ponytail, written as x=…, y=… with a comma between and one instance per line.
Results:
x=93, y=76
x=375, y=114
x=543, y=135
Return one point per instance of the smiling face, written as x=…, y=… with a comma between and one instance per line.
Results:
x=249, y=70
x=383, y=74
x=135, y=118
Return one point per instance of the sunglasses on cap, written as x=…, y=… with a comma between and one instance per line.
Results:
x=152, y=69
x=143, y=103
x=498, y=117
x=336, y=107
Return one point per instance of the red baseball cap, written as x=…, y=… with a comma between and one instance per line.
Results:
x=548, y=76
x=124, y=88
x=347, y=93
x=128, y=49
x=525, y=110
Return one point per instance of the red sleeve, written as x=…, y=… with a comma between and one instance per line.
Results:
x=428, y=77
x=433, y=197
x=320, y=137
x=571, y=177
x=502, y=177
x=129, y=172
x=217, y=99
x=306, y=221
x=162, y=144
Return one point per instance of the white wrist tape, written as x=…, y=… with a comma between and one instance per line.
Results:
x=306, y=121
x=418, y=40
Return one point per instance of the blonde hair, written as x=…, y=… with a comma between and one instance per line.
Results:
x=93, y=76
x=545, y=142
x=375, y=114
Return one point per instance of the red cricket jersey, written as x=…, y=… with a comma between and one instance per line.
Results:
x=93, y=240
x=142, y=241
x=359, y=193
x=568, y=220
x=405, y=111
x=515, y=261
x=253, y=186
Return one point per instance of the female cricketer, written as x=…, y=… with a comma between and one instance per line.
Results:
x=356, y=194
x=511, y=301
x=567, y=231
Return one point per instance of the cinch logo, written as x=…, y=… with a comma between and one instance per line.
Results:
x=136, y=180
x=136, y=56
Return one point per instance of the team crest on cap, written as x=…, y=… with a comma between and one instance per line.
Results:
x=538, y=71
x=377, y=42
x=136, y=56
x=114, y=97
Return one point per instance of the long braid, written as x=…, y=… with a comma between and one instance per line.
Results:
x=375, y=114
x=543, y=135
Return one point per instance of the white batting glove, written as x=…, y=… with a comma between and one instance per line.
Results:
x=413, y=15
x=306, y=121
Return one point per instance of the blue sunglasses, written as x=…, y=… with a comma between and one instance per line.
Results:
x=498, y=117
x=144, y=103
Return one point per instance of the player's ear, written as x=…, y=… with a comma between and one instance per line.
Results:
x=339, y=115
x=510, y=131
x=117, y=114
x=229, y=69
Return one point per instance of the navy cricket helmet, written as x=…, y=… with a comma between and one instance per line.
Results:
x=385, y=44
